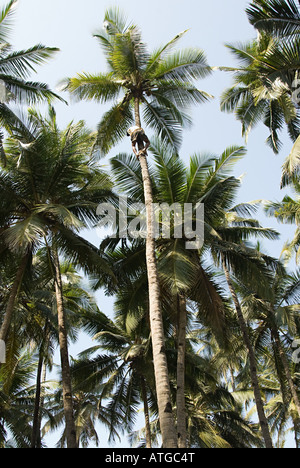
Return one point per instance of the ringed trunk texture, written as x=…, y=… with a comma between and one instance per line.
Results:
x=253, y=367
x=146, y=413
x=64, y=355
x=36, y=414
x=166, y=419
x=180, y=394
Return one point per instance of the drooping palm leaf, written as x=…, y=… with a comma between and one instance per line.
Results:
x=275, y=16
x=6, y=16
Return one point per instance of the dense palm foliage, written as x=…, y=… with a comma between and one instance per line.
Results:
x=224, y=370
x=162, y=82
x=15, y=69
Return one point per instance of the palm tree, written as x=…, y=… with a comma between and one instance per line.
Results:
x=50, y=191
x=182, y=276
x=277, y=313
x=278, y=17
x=120, y=377
x=162, y=83
x=42, y=303
x=15, y=68
x=183, y=272
x=227, y=250
x=264, y=86
x=287, y=212
x=16, y=400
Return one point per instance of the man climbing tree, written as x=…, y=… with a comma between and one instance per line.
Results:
x=138, y=137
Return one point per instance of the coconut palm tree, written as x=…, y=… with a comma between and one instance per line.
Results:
x=234, y=232
x=279, y=17
x=121, y=377
x=181, y=274
x=42, y=304
x=15, y=69
x=277, y=313
x=182, y=271
x=264, y=86
x=162, y=82
x=50, y=191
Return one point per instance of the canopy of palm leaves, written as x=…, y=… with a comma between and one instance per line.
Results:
x=162, y=80
x=280, y=17
x=15, y=69
x=51, y=186
x=263, y=89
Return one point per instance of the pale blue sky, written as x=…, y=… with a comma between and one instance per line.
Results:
x=69, y=25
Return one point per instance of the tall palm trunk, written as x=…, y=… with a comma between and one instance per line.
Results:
x=146, y=413
x=180, y=394
x=12, y=298
x=286, y=369
x=253, y=367
x=36, y=424
x=36, y=413
x=166, y=419
x=64, y=355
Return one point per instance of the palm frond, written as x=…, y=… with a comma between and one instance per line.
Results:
x=158, y=55
x=114, y=125
x=82, y=252
x=200, y=165
x=184, y=66
x=169, y=173
x=127, y=172
x=181, y=94
x=31, y=92
x=281, y=17
x=21, y=63
x=176, y=268
x=99, y=87
x=6, y=16
x=115, y=21
x=24, y=234
x=164, y=122
x=291, y=165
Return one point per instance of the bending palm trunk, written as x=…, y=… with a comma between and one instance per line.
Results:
x=253, y=368
x=65, y=366
x=180, y=394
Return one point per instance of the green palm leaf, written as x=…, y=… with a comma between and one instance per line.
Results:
x=24, y=234
x=114, y=125
x=183, y=66
x=275, y=16
x=99, y=87
x=128, y=175
x=6, y=16
x=21, y=63
x=164, y=122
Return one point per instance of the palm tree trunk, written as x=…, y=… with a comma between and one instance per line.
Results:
x=36, y=425
x=146, y=413
x=166, y=419
x=253, y=367
x=42, y=401
x=180, y=394
x=12, y=298
x=36, y=413
x=64, y=355
x=286, y=369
